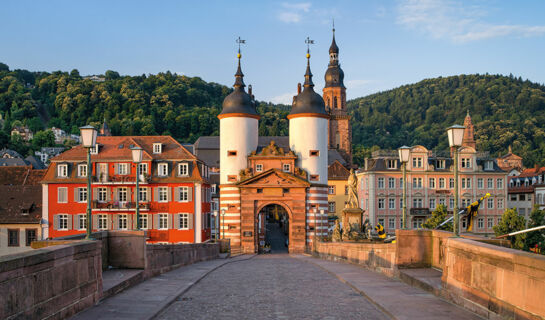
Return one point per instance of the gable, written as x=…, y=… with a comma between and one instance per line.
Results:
x=274, y=178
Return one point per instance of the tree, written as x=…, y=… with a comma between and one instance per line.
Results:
x=4, y=140
x=4, y=67
x=438, y=216
x=111, y=75
x=511, y=221
x=43, y=139
x=74, y=74
x=537, y=218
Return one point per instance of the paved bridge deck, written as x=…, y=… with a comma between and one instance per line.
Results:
x=277, y=286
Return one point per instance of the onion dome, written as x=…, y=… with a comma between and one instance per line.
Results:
x=333, y=48
x=308, y=101
x=334, y=76
x=239, y=101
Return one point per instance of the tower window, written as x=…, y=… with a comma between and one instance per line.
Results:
x=231, y=153
x=314, y=153
x=232, y=178
x=314, y=177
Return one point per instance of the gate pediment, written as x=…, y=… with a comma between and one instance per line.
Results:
x=274, y=178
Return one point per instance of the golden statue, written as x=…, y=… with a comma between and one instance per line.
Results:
x=352, y=202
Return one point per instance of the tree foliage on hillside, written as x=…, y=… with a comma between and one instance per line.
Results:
x=505, y=111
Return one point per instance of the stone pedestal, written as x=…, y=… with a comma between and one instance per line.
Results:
x=353, y=216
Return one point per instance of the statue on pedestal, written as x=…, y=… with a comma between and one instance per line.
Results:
x=352, y=202
x=336, y=237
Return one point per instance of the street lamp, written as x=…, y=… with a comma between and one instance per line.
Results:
x=216, y=225
x=223, y=227
x=88, y=140
x=322, y=214
x=315, y=228
x=455, y=137
x=404, y=154
x=137, y=158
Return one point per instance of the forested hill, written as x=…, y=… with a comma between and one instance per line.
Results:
x=505, y=111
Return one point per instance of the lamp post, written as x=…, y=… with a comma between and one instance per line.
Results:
x=137, y=158
x=404, y=154
x=455, y=137
x=322, y=214
x=216, y=225
x=315, y=228
x=88, y=140
x=223, y=227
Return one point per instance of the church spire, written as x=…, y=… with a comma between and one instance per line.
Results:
x=308, y=74
x=469, y=132
x=239, y=76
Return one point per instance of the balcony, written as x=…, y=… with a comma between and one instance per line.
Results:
x=118, y=206
x=112, y=180
x=419, y=211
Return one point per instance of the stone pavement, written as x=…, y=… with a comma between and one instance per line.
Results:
x=148, y=298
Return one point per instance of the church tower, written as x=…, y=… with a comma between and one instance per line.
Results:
x=469, y=133
x=340, y=131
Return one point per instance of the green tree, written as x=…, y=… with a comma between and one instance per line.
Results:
x=4, y=140
x=537, y=218
x=438, y=216
x=111, y=75
x=510, y=222
x=4, y=67
x=43, y=139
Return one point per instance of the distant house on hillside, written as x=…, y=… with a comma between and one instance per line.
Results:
x=511, y=163
x=23, y=131
x=48, y=152
x=11, y=158
x=95, y=78
x=61, y=136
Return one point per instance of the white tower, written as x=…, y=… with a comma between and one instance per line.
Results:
x=308, y=125
x=238, y=130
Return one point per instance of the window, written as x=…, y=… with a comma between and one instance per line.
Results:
x=466, y=183
x=441, y=183
x=102, y=222
x=381, y=203
x=331, y=207
x=82, y=170
x=184, y=194
x=391, y=203
x=391, y=164
x=466, y=202
x=381, y=221
x=183, y=169
x=490, y=203
x=122, y=194
x=432, y=183
x=442, y=201
x=500, y=203
x=314, y=177
x=490, y=183
x=489, y=222
x=95, y=149
x=391, y=223
x=231, y=153
x=63, y=222
x=499, y=183
x=162, y=169
x=258, y=167
x=102, y=195
x=488, y=165
x=381, y=183
x=286, y=167
x=331, y=189
x=184, y=221
x=480, y=183
x=391, y=183
x=13, y=237
x=163, y=194
x=143, y=195
x=122, y=168
x=157, y=147
x=62, y=195
x=440, y=164
x=163, y=221
x=417, y=202
x=62, y=170
x=143, y=168
x=417, y=223
x=451, y=183
x=522, y=197
x=401, y=183
x=81, y=194
x=451, y=203
x=143, y=221
x=417, y=162
x=466, y=162
x=231, y=178
x=82, y=221
x=314, y=153
x=480, y=223
x=122, y=221
x=400, y=203
x=417, y=183
x=30, y=235
x=432, y=203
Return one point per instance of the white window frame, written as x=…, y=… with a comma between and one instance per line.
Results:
x=144, y=221
x=163, y=221
x=466, y=163
x=157, y=148
x=499, y=183
x=440, y=164
x=489, y=222
x=391, y=203
x=259, y=167
x=381, y=203
x=65, y=192
x=143, y=196
x=122, y=169
x=380, y=183
x=417, y=162
x=330, y=189
x=451, y=203
x=490, y=183
x=184, y=194
x=123, y=191
x=102, y=222
x=488, y=165
x=82, y=221
x=480, y=223
x=417, y=203
x=381, y=221
x=123, y=219
x=431, y=183
x=331, y=206
x=183, y=169
x=433, y=205
x=480, y=183
x=162, y=169
x=162, y=193
x=82, y=194
x=102, y=194
x=62, y=170
x=286, y=167
x=82, y=170
x=490, y=203
x=391, y=164
x=500, y=203
x=63, y=222
x=143, y=168
x=442, y=183
x=451, y=183
x=391, y=183
x=95, y=149
x=184, y=221
x=391, y=223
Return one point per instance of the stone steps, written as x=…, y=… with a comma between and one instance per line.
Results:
x=116, y=280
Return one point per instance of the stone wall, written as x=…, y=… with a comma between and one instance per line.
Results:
x=375, y=256
x=491, y=279
x=161, y=258
x=53, y=282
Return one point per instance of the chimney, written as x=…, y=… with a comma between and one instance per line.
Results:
x=250, y=90
x=299, y=88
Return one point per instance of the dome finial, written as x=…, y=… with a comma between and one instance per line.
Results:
x=308, y=74
x=239, y=82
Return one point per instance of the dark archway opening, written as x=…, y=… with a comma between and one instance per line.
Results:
x=273, y=229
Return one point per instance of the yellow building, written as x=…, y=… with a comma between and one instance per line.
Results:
x=337, y=192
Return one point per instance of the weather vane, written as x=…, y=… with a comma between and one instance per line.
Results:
x=240, y=41
x=308, y=42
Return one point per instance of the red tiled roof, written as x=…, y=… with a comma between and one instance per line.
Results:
x=531, y=172
x=20, y=175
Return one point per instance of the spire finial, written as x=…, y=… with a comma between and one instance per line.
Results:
x=333, y=26
x=239, y=41
x=239, y=82
x=308, y=41
x=467, y=113
x=308, y=74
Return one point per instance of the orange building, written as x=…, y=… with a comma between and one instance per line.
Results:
x=173, y=185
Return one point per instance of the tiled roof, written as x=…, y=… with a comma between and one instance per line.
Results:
x=337, y=171
x=531, y=172
x=12, y=162
x=21, y=204
x=20, y=175
x=119, y=148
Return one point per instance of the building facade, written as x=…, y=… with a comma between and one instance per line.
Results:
x=173, y=186
x=337, y=191
x=430, y=183
x=526, y=190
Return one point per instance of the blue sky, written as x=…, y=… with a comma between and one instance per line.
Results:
x=383, y=44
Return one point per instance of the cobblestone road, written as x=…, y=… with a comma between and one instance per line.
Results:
x=271, y=287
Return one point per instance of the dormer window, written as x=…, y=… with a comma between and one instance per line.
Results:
x=82, y=170
x=286, y=167
x=391, y=164
x=258, y=167
x=62, y=170
x=417, y=162
x=157, y=148
x=440, y=164
x=466, y=162
x=162, y=169
x=183, y=169
x=488, y=165
x=95, y=149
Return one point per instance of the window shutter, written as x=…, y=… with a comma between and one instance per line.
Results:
x=115, y=221
x=177, y=221
x=190, y=220
x=189, y=194
x=169, y=220
x=116, y=194
x=77, y=218
x=116, y=168
x=76, y=192
x=95, y=193
x=131, y=195
x=95, y=222
x=56, y=222
x=177, y=194
x=156, y=221
x=70, y=217
x=156, y=194
x=129, y=221
x=148, y=218
x=109, y=223
x=169, y=194
x=108, y=194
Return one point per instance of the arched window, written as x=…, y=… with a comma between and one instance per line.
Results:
x=539, y=198
x=337, y=139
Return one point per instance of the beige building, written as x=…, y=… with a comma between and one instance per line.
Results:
x=337, y=193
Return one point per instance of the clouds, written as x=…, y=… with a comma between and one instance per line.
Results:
x=286, y=98
x=293, y=12
x=454, y=21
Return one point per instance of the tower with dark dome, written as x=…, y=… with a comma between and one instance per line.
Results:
x=340, y=131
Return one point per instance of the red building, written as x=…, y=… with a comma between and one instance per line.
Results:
x=173, y=183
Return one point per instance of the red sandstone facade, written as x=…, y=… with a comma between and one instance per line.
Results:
x=174, y=190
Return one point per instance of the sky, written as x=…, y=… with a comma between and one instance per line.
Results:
x=383, y=44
